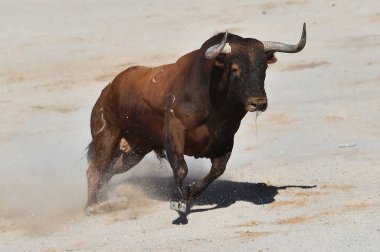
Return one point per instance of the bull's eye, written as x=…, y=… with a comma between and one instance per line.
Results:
x=235, y=70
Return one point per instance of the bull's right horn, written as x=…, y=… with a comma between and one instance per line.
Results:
x=270, y=46
x=222, y=47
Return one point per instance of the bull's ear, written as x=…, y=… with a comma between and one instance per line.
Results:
x=271, y=58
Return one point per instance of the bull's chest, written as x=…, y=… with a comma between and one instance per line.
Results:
x=210, y=139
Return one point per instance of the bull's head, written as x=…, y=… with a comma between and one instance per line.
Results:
x=244, y=62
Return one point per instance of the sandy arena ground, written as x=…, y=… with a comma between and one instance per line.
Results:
x=304, y=178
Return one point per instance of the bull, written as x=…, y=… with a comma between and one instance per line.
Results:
x=192, y=107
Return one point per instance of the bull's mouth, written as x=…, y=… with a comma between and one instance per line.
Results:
x=251, y=108
x=256, y=104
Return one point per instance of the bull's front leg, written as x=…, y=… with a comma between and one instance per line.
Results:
x=174, y=142
x=217, y=169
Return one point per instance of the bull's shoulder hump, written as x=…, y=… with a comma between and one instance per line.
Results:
x=136, y=68
x=187, y=58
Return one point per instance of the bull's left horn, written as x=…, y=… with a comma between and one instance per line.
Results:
x=222, y=47
x=270, y=46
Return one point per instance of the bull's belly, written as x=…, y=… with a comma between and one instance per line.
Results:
x=199, y=142
x=144, y=133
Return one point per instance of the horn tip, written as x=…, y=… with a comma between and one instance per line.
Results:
x=302, y=42
x=226, y=33
x=225, y=37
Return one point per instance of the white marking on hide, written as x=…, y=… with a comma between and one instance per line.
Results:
x=103, y=121
x=171, y=110
x=154, y=80
x=170, y=106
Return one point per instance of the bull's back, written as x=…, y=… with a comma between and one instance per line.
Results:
x=140, y=85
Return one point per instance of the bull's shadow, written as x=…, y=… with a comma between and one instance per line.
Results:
x=220, y=194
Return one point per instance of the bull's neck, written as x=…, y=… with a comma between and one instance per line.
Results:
x=193, y=67
x=202, y=83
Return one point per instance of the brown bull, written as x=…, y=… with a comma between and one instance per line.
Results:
x=192, y=107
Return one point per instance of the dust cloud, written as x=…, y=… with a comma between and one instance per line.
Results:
x=40, y=204
x=41, y=196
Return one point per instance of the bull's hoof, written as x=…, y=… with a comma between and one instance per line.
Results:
x=89, y=211
x=178, y=206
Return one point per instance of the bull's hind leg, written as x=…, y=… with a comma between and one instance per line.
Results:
x=102, y=148
x=122, y=158
x=94, y=177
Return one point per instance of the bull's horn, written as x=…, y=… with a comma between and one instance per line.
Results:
x=222, y=47
x=286, y=48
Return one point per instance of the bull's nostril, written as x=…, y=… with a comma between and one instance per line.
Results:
x=256, y=104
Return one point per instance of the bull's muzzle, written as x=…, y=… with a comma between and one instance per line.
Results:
x=256, y=104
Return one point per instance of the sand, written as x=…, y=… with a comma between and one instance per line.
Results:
x=308, y=180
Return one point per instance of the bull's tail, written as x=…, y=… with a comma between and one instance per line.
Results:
x=90, y=152
x=160, y=154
